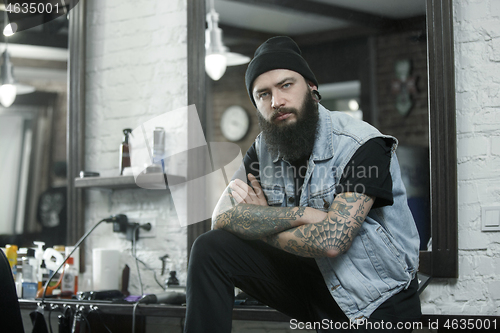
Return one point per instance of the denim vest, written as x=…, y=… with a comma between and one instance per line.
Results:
x=383, y=257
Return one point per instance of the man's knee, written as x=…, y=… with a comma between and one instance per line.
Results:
x=209, y=244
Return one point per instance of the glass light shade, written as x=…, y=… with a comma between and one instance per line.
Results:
x=215, y=65
x=10, y=29
x=353, y=105
x=7, y=94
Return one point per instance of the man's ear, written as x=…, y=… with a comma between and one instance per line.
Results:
x=317, y=96
x=312, y=85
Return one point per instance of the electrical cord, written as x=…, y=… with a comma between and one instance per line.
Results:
x=65, y=319
x=86, y=321
x=137, y=260
x=134, y=254
x=74, y=249
x=153, y=270
x=115, y=218
x=50, y=323
x=95, y=309
x=136, y=304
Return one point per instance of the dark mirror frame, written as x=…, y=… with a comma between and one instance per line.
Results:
x=441, y=261
x=76, y=122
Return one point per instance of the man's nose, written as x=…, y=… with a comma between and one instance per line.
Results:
x=277, y=101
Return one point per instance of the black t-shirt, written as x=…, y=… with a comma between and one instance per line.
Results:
x=367, y=172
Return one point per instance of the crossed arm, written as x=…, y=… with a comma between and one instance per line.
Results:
x=303, y=231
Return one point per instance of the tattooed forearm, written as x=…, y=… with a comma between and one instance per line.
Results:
x=225, y=203
x=340, y=208
x=332, y=236
x=255, y=222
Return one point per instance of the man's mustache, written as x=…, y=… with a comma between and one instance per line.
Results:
x=282, y=111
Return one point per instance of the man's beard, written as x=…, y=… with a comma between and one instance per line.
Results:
x=292, y=141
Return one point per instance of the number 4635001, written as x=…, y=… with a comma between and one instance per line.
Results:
x=32, y=8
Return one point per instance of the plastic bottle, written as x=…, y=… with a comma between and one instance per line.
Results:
x=158, y=145
x=125, y=150
x=39, y=270
x=29, y=279
x=11, y=254
x=69, y=285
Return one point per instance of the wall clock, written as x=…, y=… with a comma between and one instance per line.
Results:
x=234, y=123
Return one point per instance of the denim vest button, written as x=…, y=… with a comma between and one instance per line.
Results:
x=326, y=205
x=291, y=200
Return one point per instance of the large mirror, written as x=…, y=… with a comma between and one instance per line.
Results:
x=387, y=62
x=33, y=135
x=399, y=73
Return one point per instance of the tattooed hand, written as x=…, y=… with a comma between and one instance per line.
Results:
x=243, y=193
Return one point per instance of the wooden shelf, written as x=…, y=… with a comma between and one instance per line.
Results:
x=152, y=181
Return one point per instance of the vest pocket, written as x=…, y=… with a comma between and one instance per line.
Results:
x=275, y=194
x=322, y=199
x=384, y=257
x=384, y=235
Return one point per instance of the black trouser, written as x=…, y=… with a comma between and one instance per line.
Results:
x=292, y=285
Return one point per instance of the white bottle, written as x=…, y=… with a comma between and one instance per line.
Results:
x=69, y=284
x=39, y=270
x=29, y=279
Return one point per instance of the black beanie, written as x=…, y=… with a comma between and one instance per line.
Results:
x=279, y=52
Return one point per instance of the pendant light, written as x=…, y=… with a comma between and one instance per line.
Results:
x=217, y=56
x=9, y=89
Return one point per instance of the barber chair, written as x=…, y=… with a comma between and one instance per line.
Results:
x=10, y=313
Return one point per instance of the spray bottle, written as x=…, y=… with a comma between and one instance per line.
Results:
x=125, y=150
x=40, y=263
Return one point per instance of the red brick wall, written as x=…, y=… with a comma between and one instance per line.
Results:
x=231, y=90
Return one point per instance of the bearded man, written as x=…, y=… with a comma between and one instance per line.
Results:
x=320, y=229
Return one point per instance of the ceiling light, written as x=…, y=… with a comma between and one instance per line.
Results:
x=10, y=29
x=215, y=65
x=217, y=56
x=7, y=94
x=9, y=88
x=353, y=105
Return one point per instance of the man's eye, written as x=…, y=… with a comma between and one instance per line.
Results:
x=286, y=85
x=263, y=95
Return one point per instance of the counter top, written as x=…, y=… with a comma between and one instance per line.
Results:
x=243, y=312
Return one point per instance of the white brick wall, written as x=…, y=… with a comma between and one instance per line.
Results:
x=477, y=59
x=136, y=70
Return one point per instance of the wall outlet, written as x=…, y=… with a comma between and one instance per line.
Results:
x=142, y=218
x=490, y=219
